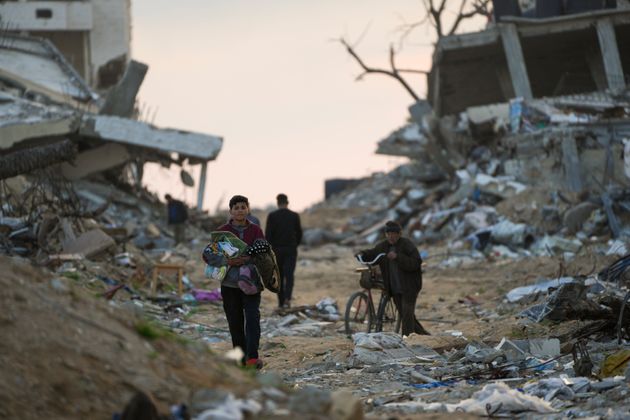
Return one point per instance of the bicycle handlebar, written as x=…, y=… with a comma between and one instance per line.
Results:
x=360, y=259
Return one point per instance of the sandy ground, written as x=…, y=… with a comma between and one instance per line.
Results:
x=454, y=298
x=65, y=354
x=68, y=353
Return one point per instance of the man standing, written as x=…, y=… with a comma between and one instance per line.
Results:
x=283, y=230
x=253, y=219
x=177, y=216
x=402, y=272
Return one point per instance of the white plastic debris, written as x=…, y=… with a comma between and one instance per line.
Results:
x=549, y=389
x=377, y=341
x=509, y=233
x=519, y=293
x=617, y=247
x=499, y=398
x=231, y=409
x=235, y=354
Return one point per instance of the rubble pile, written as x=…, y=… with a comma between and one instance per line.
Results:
x=71, y=173
x=501, y=185
x=560, y=369
x=519, y=191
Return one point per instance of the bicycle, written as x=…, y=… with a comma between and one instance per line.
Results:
x=361, y=314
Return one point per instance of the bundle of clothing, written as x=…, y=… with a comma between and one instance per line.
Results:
x=252, y=267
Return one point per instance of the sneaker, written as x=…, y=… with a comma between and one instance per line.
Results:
x=257, y=363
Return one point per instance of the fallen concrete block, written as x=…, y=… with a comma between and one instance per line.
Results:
x=152, y=230
x=541, y=347
x=346, y=406
x=90, y=243
x=512, y=350
x=575, y=217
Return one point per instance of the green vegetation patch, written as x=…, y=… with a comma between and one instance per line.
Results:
x=152, y=331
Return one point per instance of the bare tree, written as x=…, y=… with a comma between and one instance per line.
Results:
x=437, y=15
x=394, y=72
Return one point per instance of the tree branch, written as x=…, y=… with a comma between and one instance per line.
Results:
x=413, y=71
x=392, y=73
x=479, y=7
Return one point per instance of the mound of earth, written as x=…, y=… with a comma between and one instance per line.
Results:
x=65, y=354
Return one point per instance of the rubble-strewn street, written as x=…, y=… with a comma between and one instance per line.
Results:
x=478, y=339
x=516, y=194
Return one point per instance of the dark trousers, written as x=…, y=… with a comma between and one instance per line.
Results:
x=406, y=306
x=243, y=316
x=179, y=231
x=286, y=258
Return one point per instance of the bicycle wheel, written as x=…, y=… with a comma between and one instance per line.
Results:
x=358, y=314
x=387, y=317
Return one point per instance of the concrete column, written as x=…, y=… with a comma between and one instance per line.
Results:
x=515, y=60
x=202, y=185
x=610, y=55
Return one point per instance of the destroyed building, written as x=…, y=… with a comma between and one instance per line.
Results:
x=535, y=103
x=511, y=177
x=50, y=115
x=94, y=36
x=69, y=113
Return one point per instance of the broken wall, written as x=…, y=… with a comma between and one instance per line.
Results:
x=571, y=160
x=89, y=34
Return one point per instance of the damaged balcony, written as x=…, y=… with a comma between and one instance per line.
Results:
x=531, y=58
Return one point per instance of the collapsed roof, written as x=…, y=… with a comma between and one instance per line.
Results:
x=531, y=58
x=35, y=64
x=44, y=102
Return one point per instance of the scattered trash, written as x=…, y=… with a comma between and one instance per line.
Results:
x=498, y=398
x=615, y=364
x=207, y=295
x=519, y=293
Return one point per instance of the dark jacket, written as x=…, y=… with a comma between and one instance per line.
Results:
x=408, y=261
x=177, y=212
x=283, y=228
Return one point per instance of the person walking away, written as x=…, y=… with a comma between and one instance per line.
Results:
x=402, y=272
x=177, y=214
x=284, y=232
x=255, y=220
x=242, y=307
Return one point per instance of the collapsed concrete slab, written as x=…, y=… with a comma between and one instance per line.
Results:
x=35, y=64
x=23, y=120
x=47, y=101
x=136, y=133
x=89, y=243
x=96, y=160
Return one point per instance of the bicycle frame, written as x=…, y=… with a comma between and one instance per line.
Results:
x=375, y=316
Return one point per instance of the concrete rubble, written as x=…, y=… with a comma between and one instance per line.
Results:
x=489, y=201
x=51, y=119
x=508, y=177
x=514, y=173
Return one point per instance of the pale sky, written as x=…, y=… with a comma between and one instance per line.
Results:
x=269, y=78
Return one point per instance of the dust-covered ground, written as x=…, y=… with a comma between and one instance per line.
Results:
x=451, y=306
x=66, y=352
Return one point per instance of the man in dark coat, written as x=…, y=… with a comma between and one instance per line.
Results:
x=402, y=272
x=283, y=230
x=177, y=214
